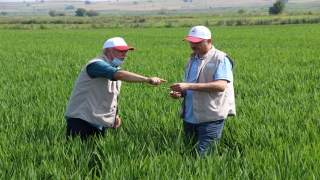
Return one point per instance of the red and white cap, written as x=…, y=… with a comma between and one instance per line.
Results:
x=198, y=33
x=117, y=43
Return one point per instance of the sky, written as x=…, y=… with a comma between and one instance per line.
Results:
x=46, y=0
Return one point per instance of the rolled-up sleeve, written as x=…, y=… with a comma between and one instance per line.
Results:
x=101, y=69
x=224, y=70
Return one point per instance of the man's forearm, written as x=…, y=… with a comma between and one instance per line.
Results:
x=127, y=76
x=216, y=86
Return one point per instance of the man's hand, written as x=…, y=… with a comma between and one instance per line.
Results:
x=175, y=94
x=155, y=80
x=117, y=123
x=180, y=87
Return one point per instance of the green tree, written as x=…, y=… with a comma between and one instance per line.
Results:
x=70, y=7
x=61, y=14
x=163, y=11
x=277, y=8
x=81, y=12
x=4, y=13
x=53, y=13
x=241, y=11
x=92, y=13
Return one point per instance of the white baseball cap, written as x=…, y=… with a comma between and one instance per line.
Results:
x=198, y=33
x=117, y=43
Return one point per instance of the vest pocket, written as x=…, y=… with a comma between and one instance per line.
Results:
x=112, y=86
x=106, y=112
x=106, y=109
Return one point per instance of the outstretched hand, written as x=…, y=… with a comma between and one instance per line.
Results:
x=155, y=80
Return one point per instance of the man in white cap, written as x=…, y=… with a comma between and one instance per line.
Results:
x=93, y=106
x=207, y=89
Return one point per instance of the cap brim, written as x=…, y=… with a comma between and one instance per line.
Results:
x=193, y=39
x=124, y=48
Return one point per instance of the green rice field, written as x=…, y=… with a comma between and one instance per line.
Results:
x=274, y=136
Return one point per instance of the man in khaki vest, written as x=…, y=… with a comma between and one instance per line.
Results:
x=93, y=105
x=207, y=89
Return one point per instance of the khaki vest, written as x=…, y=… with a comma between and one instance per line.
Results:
x=211, y=106
x=94, y=99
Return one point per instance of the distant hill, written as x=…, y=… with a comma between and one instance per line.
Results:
x=36, y=6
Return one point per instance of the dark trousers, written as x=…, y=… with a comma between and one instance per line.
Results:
x=205, y=134
x=79, y=127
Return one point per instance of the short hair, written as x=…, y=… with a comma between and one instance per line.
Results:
x=104, y=50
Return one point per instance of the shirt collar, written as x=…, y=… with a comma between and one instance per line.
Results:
x=197, y=57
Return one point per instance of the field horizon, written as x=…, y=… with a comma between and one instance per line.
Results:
x=148, y=6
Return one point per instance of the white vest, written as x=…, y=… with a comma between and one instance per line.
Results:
x=94, y=99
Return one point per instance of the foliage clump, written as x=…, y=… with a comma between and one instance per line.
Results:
x=81, y=12
x=92, y=13
x=241, y=11
x=163, y=11
x=70, y=7
x=61, y=14
x=4, y=13
x=277, y=8
x=54, y=13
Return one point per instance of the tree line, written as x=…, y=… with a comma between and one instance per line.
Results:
x=81, y=12
x=277, y=8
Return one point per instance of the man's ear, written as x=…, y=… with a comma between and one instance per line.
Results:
x=107, y=52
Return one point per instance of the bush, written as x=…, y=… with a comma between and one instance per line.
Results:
x=220, y=23
x=239, y=22
x=142, y=20
x=163, y=11
x=241, y=11
x=61, y=14
x=169, y=24
x=230, y=22
x=92, y=13
x=4, y=13
x=277, y=8
x=43, y=26
x=53, y=13
x=70, y=7
x=81, y=12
